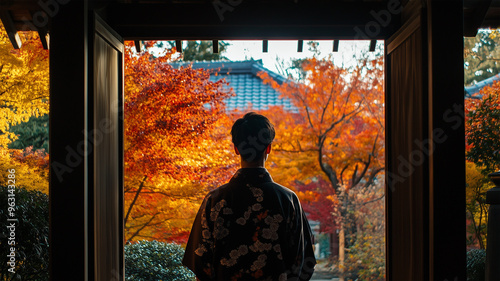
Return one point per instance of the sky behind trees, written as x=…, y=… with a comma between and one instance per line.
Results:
x=287, y=50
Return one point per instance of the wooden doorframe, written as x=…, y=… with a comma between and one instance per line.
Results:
x=426, y=234
x=71, y=175
x=86, y=145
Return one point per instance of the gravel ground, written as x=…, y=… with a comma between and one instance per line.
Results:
x=322, y=273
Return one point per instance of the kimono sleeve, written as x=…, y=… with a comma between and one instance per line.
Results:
x=301, y=245
x=199, y=250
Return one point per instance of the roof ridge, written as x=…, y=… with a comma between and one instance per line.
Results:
x=246, y=66
x=473, y=89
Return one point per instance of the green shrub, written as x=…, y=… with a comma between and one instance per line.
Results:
x=153, y=260
x=476, y=265
x=31, y=235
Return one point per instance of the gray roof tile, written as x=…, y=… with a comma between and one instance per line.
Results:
x=248, y=87
x=471, y=90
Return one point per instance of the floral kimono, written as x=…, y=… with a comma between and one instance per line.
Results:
x=251, y=229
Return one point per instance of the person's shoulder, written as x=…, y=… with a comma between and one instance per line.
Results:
x=281, y=189
x=218, y=191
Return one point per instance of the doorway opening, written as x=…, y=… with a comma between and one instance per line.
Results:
x=328, y=111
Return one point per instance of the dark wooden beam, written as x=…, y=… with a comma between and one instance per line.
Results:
x=373, y=44
x=138, y=45
x=8, y=23
x=215, y=46
x=335, y=45
x=19, y=5
x=474, y=22
x=250, y=20
x=493, y=23
x=44, y=38
x=447, y=222
x=178, y=46
x=265, y=45
x=69, y=179
x=300, y=46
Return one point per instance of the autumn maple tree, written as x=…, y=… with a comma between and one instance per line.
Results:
x=482, y=128
x=477, y=184
x=24, y=82
x=175, y=148
x=319, y=203
x=24, y=93
x=482, y=134
x=365, y=259
x=337, y=134
x=31, y=166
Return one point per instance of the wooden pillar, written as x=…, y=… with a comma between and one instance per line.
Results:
x=86, y=145
x=68, y=146
x=426, y=144
x=447, y=229
x=407, y=153
x=106, y=119
x=493, y=243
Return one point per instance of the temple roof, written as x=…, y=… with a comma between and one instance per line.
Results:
x=250, y=90
x=471, y=90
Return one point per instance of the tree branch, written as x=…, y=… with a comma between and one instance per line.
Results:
x=367, y=163
x=325, y=167
x=342, y=173
x=328, y=102
x=177, y=196
x=373, y=174
x=135, y=199
x=373, y=114
x=146, y=224
x=295, y=151
x=374, y=200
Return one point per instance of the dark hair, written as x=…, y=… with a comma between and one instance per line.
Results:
x=251, y=135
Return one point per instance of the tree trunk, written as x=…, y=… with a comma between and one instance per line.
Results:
x=334, y=245
x=343, y=197
x=342, y=251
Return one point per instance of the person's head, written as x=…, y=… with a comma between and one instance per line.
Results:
x=252, y=136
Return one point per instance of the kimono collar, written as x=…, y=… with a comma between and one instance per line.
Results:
x=254, y=175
